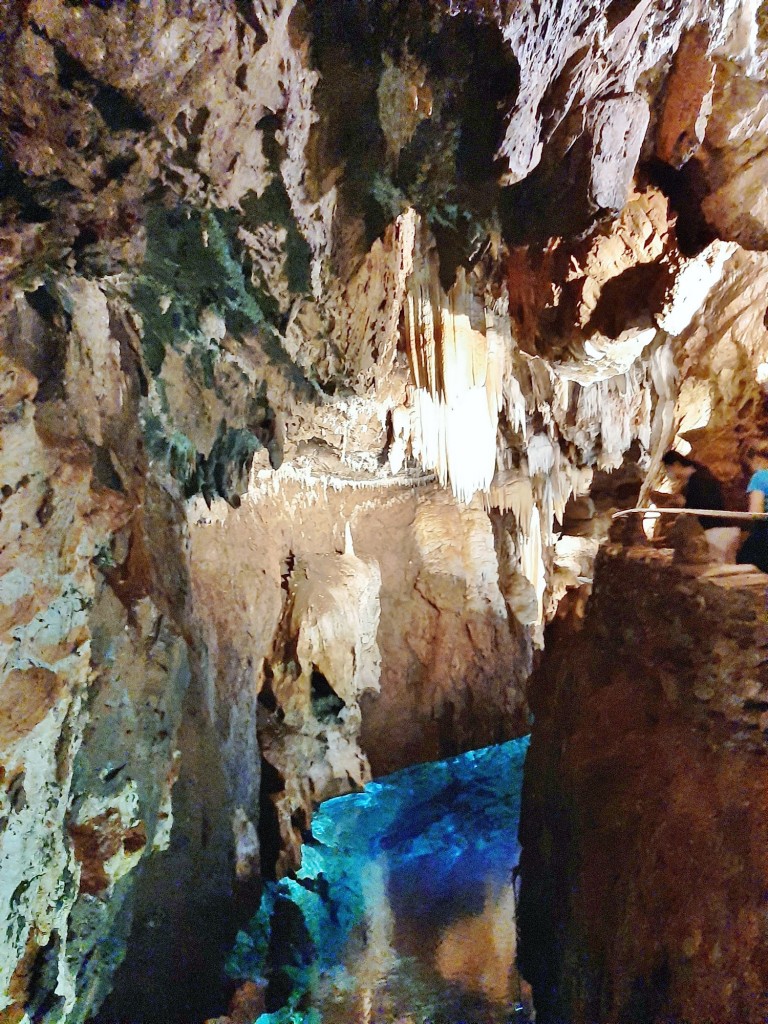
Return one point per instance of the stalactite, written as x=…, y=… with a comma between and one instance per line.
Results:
x=511, y=492
x=531, y=558
x=475, y=398
x=458, y=372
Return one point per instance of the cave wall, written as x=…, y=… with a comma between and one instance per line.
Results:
x=95, y=667
x=314, y=318
x=342, y=628
x=643, y=823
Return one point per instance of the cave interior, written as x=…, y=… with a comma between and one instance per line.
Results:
x=334, y=334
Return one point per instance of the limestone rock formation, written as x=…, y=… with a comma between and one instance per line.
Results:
x=351, y=652
x=643, y=821
x=91, y=700
x=316, y=319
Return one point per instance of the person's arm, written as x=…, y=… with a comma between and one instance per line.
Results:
x=756, y=501
x=665, y=499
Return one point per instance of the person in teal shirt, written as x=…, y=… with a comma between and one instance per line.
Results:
x=754, y=550
x=757, y=489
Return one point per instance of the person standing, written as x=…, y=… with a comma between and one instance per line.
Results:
x=754, y=550
x=701, y=489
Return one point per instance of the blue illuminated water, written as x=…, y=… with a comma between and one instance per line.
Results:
x=403, y=909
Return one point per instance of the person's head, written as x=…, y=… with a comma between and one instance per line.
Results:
x=679, y=467
x=757, y=457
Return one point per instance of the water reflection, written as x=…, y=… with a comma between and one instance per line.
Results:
x=403, y=910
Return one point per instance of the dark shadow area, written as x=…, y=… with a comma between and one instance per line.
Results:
x=649, y=995
x=186, y=908
x=627, y=299
x=326, y=703
x=38, y=341
x=618, y=11
x=552, y=200
x=268, y=830
x=118, y=111
x=686, y=189
x=447, y=169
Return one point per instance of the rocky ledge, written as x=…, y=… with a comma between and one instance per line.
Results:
x=645, y=844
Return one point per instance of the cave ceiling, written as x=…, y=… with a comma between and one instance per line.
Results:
x=406, y=216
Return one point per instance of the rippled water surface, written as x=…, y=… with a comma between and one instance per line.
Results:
x=403, y=910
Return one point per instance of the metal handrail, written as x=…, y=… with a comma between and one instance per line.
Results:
x=710, y=513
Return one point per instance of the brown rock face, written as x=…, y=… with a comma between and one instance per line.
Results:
x=644, y=838
x=688, y=100
x=346, y=659
x=98, y=841
x=27, y=697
